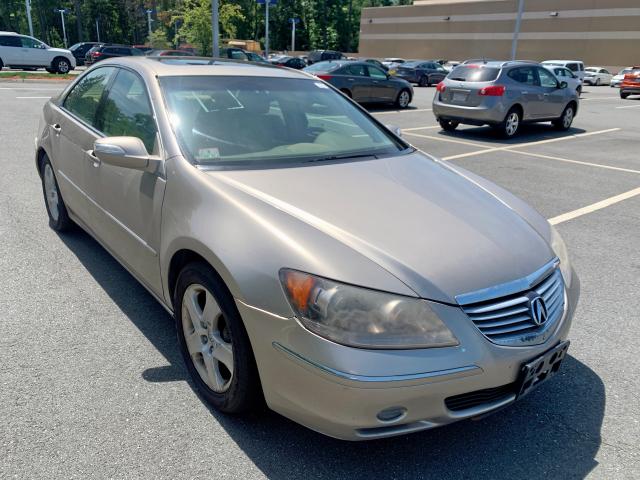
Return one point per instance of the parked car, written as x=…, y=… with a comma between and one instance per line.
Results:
x=109, y=50
x=423, y=72
x=22, y=51
x=254, y=57
x=388, y=62
x=566, y=75
x=576, y=66
x=375, y=62
x=616, y=80
x=234, y=53
x=450, y=65
x=316, y=56
x=79, y=50
x=364, y=291
x=504, y=95
x=143, y=48
x=289, y=62
x=597, y=76
x=631, y=83
x=169, y=53
x=364, y=82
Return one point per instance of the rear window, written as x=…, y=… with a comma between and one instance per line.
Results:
x=322, y=67
x=474, y=73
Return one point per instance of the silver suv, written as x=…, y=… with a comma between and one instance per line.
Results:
x=503, y=95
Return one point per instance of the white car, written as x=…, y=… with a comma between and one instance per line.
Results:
x=597, y=76
x=576, y=66
x=566, y=75
x=617, y=79
x=22, y=51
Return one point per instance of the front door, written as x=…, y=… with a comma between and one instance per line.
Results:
x=34, y=52
x=128, y=201
x=554, y=97
x=382, y=90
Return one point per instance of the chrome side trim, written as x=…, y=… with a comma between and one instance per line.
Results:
x=373, y=381
x=509, y=288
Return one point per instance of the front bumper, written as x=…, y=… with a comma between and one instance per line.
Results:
x=340, y=391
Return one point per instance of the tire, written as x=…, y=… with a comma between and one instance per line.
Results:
x=566, y=119
x=579, y=90
x=597, y=84
x=423, y=81
x=229, y=379
x=1, y=64
x=448, y=125
x=623, y=95
x=56, y=209
x=50, y=70
x=404, y=99
x=510, y=126
x=61, y=65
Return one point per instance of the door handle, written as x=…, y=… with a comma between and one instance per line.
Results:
x=92, y=157
x=56, y=127
x=351, y=79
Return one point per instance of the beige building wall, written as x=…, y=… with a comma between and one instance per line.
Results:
x=599, y=32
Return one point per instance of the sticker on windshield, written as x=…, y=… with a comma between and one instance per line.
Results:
x=320, y=85
x=208, y=153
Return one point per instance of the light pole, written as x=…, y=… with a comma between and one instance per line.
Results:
x=149, y=12
x=293, y=22
x=266, y=27
x=28, y=5
x=516, y=33
x=97, y=30
x=215, y=28
x=62, y=11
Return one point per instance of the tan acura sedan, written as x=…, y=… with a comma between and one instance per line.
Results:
x=312, y=258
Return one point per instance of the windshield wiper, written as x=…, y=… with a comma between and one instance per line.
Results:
x=342, y=157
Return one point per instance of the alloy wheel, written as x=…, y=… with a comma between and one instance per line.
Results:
x=511, y=126
x=404, y=99
x=51, y=193
x=567, y=118
x=63, y=66
x=208, y=338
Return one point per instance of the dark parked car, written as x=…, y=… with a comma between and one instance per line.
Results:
x=364, y=82
x=169, y=53
x=79, y=50
x=289, y=62
x=375, y=62
x=104, y=51
x=422, y=72
x=323, y=55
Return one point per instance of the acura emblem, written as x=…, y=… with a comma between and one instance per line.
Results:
x=538, y=310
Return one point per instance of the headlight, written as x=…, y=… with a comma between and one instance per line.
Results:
x=364, y=318
x=560, y=249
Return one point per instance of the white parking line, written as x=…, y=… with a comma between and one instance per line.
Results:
x=420, y=128
x=594, y=207
x=448, y=139
x=528, y=144
x=589, y=164
x=33, y=97
x=42, y=89
x=630, y=106
x=598, y=98
x=402, y=111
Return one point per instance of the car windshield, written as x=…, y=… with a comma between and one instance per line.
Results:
x=246, y=121
x=624, y=71
x=474, y=73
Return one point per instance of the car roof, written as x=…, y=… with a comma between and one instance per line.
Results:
x=202, y=66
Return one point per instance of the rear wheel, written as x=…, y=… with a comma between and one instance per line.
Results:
x=404, y=99
x=423, y=82
x=566, y=119
x=213, y=341
x=448, y=125
x=510, y=126
x=56, y=209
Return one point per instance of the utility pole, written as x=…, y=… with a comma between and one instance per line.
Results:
x=293, y=22
x=78, y=20
x=149, y=12
x=28, y=5
x=266, y=28
x=97, y=29
x=215, y=28
x=62, y=11
x=516, y=33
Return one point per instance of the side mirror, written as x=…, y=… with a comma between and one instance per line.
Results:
x=396, y=130
x=126, y=152
x=563, y=84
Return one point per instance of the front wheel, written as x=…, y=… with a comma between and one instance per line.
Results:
x=448, y=125
x=56, y=209
x=62, y=66
x=566, y=119
x=213, y=341
x=404, y=99
x=597, y=82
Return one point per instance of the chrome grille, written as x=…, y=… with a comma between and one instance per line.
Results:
x=508, y=319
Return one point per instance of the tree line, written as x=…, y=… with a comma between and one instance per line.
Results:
x=333, y=24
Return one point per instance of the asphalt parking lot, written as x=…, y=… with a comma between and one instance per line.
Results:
x=92, y=384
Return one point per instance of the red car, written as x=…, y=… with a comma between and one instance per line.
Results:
x=631, y=83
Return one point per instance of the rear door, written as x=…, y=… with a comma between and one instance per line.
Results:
x=358, y=82
x=382, y=90
x=10, y=49
x=128, y=202
x=530, y=93
x=554, y=97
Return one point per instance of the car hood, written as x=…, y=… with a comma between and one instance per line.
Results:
x=435, y=230
x=59, y=50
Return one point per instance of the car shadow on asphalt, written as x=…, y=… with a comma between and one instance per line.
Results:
x=554, y=432
x=533, y=132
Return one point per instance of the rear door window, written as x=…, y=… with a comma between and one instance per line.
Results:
x=356, y=70
x=83, y=100
x=524, y=75
x=474, y=73
x=573, y=67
